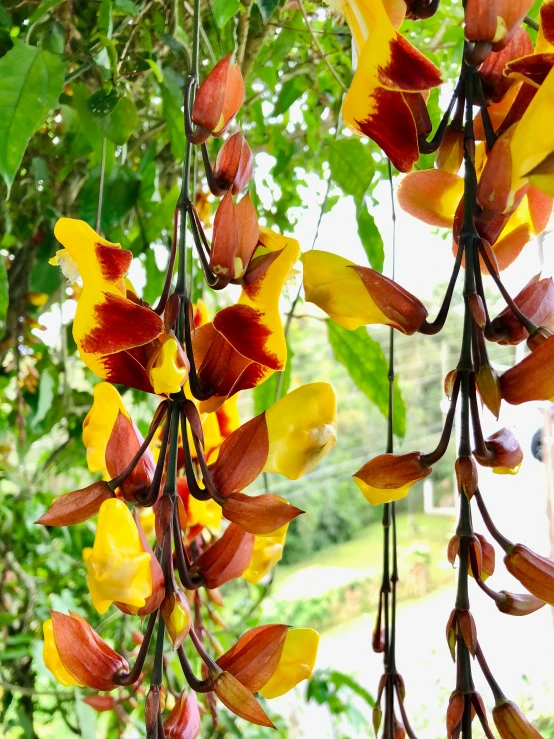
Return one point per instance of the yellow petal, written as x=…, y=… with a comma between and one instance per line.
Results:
x=333, y=286
x=533, y=139
x=203, y=513
x=376, y=496
x=302, y=428
x=118, y=568
x=99, y=423
x=297, y=662
x=268, y=550
x=52, y=658
x=506, y=470
x=168, y=373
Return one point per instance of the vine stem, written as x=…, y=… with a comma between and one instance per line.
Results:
x=101, y=186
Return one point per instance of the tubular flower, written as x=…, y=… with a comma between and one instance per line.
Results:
x=267, y=551
x=506, y=455
x=532, y=378
x=302, y=429
x=184, y=720
x=124, y=442
x=296, y=664
x=118, y=338
x=218, y=99
x=390, y=476
x=357, y=296
x=536, y=301
x=235, y=238
x=83, y=654
x=246, y=343
x=234, y=164
x=98, y=425
x=534, y=572
x=118, y=566
x=387, y=83
x=52, y=658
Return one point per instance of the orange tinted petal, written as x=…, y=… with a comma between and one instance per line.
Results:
x=431, y=195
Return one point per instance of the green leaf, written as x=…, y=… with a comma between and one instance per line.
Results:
x=370, y=238
x=121, y=122
x=32, y=81
x=224, y=10
x=290, y=92
x=127, y=7
x=265, y=395
x=3, y=296
x=352, y=166
x=267, y=8
x=367, y=366
x=172, y=98
x=86, y=716
x=45, y=397
x=42, y=10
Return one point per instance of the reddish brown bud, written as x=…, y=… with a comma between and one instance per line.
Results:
x=536, y=301
x=389, y=476
x=505, y=451
x=532, y=378
x=218, y=99
x=239, y=700
x=234, y=164
x=495, y=184
x=175, y=611
x=511, y=723
x=235, y=236
x=449, y=381
x=87, y=657
x=378, y=641
x=450, y=153
x=534, y=572
x=184, y=720
x=519, y=604
x=227, y=559
x=477, y=309
x=488, y=384
x=171, y=311
x=418, y=107
x=255, y=656
x=78, y=506
x=453, y=549
x=468, y=630
x=152, y=708
x=480, y=20
x=488, y=557
x=451, y=633
x=163, y=512
x=100, y=703
x=241, y=457
x=214, y=596
x=261, y=514
x=124, y=442
x=466, y=475
x=454, y=712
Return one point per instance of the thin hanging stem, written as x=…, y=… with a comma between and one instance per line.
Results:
x=131, y=677
x=506, y=544
x=101, y=186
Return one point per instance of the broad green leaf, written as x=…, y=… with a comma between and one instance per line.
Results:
x=370, y=238
x=366, y=364
x=352, y=166
x=224, y=10
x=290, y=92
x=269, y=392
x=32, y=81
x=3, y=296
x=267, y=8
x=42, y=10
x=45, y=397
x=127, y=7
x=121, y=122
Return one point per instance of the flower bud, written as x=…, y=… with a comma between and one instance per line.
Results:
x=453, y=549
x=235, y=237
x=260, y=514
x=480, y=20
x=517, y=604
x=511, y=723
x=449, y=382
x=218, y=99
x=534, y=572
x=536, y=301
x=176, y=615
x=234, y=164
x=506, y=455
x=227, y=558
x=487, y=556
x=390, y=476
x=454, y=712
x=152, y=708
x=495, y=83
x=450, y=153
x=78, y=506
x=488, y=384
x=184, y=720
x=377, y=717
x=477, y=309
x=86, y=657
x=532, y=378
x=466, y=475
x=124, y=442
x=239, y=700
x=52, y=658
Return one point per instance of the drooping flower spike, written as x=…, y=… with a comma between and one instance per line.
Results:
x=384, y=100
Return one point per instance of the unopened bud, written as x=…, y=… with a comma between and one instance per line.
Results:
x=176, y=615
x=511, y=723
x=234, y=164
x=450, y=153
x=488, y=384
x=449, y=381
x=466, y=475
x=534, y=572
x=505, y=452
x=519, y=604
x=477, y=309
x=454, y=712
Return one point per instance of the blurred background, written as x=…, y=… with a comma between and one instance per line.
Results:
x=312, y=180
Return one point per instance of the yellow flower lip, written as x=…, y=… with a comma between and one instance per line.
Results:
x=296, y=663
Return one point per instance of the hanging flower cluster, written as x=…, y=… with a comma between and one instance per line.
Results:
x=174, y=522
x=495, y=203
